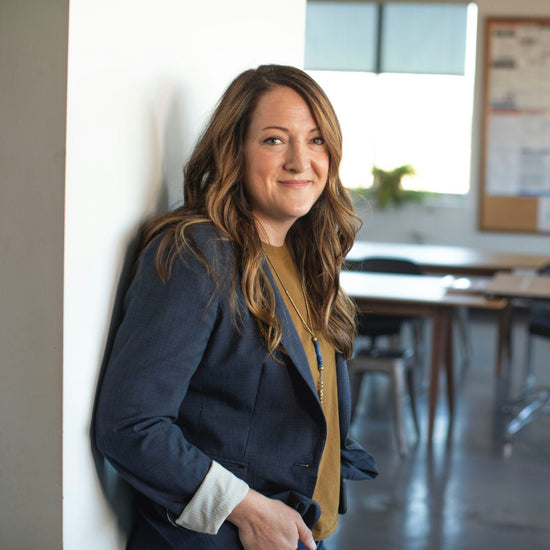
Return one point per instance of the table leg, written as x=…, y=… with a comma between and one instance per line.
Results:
x=435, y=362
x=442, y=354
x=449, y=362
x=504, y=341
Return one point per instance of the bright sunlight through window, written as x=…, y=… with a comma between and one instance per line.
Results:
x=424, y=120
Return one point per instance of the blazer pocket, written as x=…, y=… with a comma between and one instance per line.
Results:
x=305, y=506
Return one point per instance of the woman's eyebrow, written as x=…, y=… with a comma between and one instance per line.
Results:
x=316, y=129
x=276, y=128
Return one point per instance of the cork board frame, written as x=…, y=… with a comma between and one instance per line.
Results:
x=515, y=159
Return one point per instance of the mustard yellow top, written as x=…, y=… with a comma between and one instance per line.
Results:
x=327, y=489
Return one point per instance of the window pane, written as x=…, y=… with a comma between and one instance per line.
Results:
x=341, y=36
x=393, y=119
x=425, y=121
x=424, y=38
x=353, y=96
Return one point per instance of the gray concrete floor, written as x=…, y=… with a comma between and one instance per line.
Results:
x=460, y=493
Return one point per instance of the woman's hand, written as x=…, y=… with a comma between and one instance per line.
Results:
x=268, y=523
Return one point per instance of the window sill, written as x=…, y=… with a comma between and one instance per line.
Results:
x=429, y=201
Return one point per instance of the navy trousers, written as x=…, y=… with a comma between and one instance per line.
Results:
x=320, y=546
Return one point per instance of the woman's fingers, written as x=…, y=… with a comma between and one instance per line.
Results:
x=267, y=523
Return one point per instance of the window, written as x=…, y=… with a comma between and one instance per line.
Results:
x=341, y=36
x=405, y=96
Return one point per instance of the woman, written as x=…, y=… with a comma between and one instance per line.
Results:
x=225, y=402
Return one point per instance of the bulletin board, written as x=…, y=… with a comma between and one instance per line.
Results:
x=515, y=179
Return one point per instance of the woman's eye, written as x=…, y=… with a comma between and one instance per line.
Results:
x=318, y=140
x=272, y=141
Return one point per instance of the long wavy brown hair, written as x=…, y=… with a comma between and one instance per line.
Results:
x=214, y=192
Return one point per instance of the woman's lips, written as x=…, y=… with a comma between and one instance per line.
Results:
x=296, y=184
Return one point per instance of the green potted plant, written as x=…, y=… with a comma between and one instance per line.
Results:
x=387, y=190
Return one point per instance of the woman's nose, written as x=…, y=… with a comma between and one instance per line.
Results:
x=297, y=160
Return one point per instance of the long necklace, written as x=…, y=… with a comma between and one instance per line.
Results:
x=308, y=326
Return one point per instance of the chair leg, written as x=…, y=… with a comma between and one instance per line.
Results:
x=419, y=347
x=464, y=334
x=412, y=397
x=398, y=384
x=529, y=381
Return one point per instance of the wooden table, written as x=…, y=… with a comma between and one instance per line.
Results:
x=512, y=285
x=426, y=296
x=456, y=260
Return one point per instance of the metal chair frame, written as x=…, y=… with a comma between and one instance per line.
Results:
x=534, y=400
x=399, y=364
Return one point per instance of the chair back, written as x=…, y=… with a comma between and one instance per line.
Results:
x=387, y=265
x=372, y=325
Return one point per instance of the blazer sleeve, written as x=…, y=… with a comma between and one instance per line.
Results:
x=158, y=347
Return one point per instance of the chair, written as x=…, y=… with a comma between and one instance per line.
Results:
x=373, y=326
x=395, y=361
x=399, y=365
x=534, y=398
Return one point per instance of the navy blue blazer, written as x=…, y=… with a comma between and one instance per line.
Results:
x=190, y=380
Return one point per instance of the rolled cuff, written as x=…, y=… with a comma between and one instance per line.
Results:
x=217, y=496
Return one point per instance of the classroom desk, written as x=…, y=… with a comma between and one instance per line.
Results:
x=426, y=296
x=512, y=285
x=456, y=260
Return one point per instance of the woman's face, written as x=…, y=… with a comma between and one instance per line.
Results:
x=286, y=161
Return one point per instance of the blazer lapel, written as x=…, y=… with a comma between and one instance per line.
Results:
x=290, y=339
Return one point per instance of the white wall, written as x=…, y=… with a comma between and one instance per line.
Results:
x=142, y=79
x=33, y=52
x=456, y=222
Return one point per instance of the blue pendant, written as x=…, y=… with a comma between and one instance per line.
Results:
x=318, y=352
